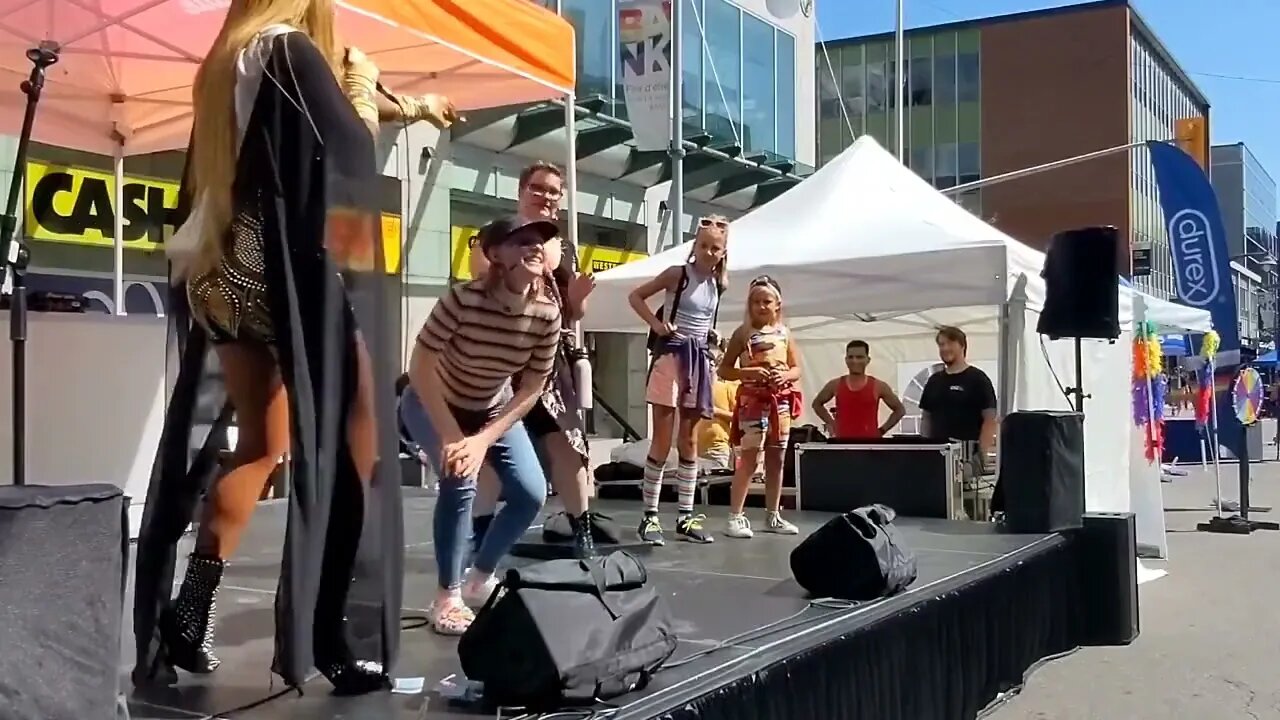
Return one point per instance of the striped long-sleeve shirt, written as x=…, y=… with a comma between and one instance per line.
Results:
x=482, y=344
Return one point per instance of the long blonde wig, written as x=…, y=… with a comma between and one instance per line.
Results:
x=213, y=161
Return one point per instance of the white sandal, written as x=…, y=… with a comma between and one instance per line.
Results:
x=452, y=619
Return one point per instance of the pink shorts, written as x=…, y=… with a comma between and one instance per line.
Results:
x=663, y=389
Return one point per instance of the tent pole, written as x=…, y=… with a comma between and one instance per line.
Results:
x=117, y=232
x=581, y=365
x=677, y=124
x=1037, y=169
x=900, y=84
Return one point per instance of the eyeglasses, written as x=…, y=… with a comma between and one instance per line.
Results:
x=718, y=223
x=546, y=191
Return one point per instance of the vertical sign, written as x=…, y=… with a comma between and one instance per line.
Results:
x=644, y=36
x=1201, y=266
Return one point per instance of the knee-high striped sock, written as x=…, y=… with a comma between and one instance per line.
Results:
x=686, y=485
x=652, y=488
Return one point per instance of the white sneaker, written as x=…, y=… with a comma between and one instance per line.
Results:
x=476, y=592
x=738, y=527
x=774, y=523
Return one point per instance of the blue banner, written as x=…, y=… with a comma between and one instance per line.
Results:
x=1201, y=265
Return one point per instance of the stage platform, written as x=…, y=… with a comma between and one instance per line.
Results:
x=986, y=607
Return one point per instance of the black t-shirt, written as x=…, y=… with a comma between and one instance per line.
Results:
x=955, y=403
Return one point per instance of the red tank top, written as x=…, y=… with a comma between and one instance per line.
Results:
x=858, y=411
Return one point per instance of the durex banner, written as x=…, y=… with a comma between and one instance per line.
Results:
x=1201, y=264
x=644, y=36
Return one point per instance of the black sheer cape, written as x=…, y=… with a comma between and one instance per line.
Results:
x=307, y=170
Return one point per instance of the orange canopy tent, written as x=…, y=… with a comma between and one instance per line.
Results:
x=122, y=82
x=126, y=66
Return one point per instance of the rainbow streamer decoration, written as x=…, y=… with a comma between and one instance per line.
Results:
x=1149, y=387
x=1205, y=379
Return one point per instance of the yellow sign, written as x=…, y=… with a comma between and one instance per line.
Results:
x=591, y=258
x=78, y=205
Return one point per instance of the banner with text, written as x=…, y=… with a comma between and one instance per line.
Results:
x=644, y=36
x=591, y=258
x=77, y=206
x=1201, y=263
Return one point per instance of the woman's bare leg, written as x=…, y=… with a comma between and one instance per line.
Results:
x=568, y=474
x=262, y=420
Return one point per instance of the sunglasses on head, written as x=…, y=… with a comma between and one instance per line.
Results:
x=717, y=223
x=766, y=281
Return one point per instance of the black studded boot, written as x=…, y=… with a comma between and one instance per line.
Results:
x=186, y=627
x=584, y=545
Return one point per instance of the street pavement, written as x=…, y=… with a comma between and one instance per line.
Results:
x=1210, y=642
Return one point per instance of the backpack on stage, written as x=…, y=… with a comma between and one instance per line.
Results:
x=855, y=556
x=568, y=632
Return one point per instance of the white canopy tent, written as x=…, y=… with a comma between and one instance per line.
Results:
x=866, y=249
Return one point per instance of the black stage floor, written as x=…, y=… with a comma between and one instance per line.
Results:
x=715, y=592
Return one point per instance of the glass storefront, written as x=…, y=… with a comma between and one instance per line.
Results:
x=943, y=92
x=739, y=70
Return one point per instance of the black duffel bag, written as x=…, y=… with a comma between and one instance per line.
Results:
x=855, y=556
x=568, y=632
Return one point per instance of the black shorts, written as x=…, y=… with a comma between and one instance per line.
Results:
x=539, y=423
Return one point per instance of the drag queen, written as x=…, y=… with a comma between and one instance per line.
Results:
x=680, y=377
x=503, y=328
x=278, y=274
x=761, y=355
x=556, y=422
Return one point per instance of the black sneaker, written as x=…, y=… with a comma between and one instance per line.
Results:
x=584, y=545
x=650, y=530
x=689, y=528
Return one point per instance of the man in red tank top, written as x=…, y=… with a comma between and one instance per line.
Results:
x=857, y=397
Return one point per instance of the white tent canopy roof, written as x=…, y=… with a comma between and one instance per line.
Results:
x=866, y=248
x=1169, y=316
x=864, y=239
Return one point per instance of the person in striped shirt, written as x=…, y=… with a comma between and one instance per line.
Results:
x=480, y=336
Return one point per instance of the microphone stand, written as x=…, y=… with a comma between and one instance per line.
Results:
x=17, y=257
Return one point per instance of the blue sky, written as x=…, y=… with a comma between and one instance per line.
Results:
x=1209, y=38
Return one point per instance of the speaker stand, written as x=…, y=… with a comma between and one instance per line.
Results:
x=1077, y=392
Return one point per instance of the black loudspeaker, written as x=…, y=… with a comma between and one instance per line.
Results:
x=1109, y=568
x=1041, y=483
x=1081, y=275
x=63, y=557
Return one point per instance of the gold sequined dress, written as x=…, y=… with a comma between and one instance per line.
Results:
x=230, y=301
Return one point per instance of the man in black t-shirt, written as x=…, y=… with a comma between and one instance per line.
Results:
x=959, y=401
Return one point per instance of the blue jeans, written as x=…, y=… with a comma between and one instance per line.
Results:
x=524, y=487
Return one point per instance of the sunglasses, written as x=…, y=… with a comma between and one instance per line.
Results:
x=717, y=223
x=766, y=281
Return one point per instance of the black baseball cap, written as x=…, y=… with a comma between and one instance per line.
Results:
x=504, y=229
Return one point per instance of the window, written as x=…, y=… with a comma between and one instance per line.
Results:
x=920, y=72
x=759, y=101
x=723, y=67
x=970, y=167
x=922, y=162
x=968, y=77
x=945, y=165
x=853, y=90
x=877, y=88
x=694, y=75
x=786, y=93
x=593, y=22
